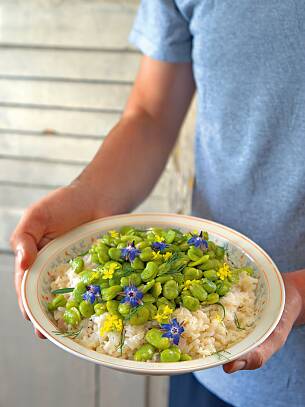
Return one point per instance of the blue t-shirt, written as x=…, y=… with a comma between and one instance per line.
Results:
x=249, y=66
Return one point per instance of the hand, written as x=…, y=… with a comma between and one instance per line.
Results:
x=50, y=217
x=293, y=314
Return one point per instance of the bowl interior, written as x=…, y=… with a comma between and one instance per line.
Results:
x=242, y=251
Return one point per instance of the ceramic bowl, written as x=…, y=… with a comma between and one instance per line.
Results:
x=243, y=251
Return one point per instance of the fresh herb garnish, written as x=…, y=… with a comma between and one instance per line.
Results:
x=71, y=335
x=237, y=323
x=62, y=291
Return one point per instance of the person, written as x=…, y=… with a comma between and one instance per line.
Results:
x=246, y=61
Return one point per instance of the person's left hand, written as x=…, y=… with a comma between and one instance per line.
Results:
x=293, y=314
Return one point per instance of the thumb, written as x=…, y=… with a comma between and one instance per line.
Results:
x=26, y=252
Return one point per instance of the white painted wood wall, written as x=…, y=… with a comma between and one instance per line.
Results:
x=65, y=72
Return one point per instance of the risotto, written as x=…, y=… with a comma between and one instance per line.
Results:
x=156, y=295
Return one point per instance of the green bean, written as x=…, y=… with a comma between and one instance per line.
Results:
x=150, y=271
x=190, y=303
x=86, y=309
x=144, y=353
x=154, y=337
x=77, y=264
x=111, y=292
x=170, y=290
x=72, y=316
x=170, y=355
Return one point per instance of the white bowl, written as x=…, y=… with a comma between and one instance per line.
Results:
x=270, y=292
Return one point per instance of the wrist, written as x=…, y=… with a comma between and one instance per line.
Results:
x=88, y=196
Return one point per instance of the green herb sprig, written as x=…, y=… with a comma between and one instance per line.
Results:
x=62, y=291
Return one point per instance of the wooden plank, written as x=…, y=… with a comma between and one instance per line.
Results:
x=49, y=147
x=13, y=201
x=29, y=172
x=76, y=23
x=79, y=123
x=72, y=64
x=65, y=94
x=33, y=370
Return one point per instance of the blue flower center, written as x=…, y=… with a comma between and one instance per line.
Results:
x=174, y=330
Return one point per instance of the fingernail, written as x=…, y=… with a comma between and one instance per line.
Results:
x=238, y=365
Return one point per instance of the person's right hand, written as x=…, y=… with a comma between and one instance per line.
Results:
x=55, y=214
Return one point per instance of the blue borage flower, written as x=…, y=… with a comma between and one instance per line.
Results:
x=198, y=241
x=132, y=295
x=130, y=252
x=93, y=292
x=173, y=330
x=159, y=245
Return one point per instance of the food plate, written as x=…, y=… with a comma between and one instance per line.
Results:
x=270, y=293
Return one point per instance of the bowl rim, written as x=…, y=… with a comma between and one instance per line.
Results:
x=130, y=365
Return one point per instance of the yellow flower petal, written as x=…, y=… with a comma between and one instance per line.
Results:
x=113, y=233
x=167, y=255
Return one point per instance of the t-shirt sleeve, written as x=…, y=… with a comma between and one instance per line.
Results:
x=161, y=31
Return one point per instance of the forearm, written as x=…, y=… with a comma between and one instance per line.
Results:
x=128, y=164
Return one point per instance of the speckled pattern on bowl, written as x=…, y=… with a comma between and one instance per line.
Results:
x=270, y=292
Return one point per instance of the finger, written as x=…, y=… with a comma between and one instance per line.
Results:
x=18, y=275
x=39, y=334
x=26, y=252
x=260, y=355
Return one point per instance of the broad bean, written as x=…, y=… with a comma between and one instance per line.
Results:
x=170, y=355
x=190, y=303
x=144, y=353
x=155, y=338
